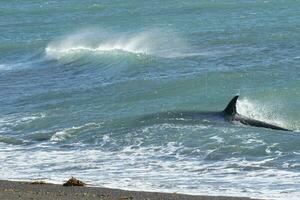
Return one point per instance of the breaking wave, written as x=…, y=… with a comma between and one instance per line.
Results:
x=158, y=43
x=64, y=134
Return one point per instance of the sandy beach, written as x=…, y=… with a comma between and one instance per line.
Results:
x=11, y=190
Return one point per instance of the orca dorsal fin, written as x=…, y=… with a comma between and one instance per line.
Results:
x=231, y=107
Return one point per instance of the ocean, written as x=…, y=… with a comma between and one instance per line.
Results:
x=76, y=78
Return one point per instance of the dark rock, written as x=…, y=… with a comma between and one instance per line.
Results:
x=74, y=182
x=38, y=183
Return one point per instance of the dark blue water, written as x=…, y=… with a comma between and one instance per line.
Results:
x=77, y=78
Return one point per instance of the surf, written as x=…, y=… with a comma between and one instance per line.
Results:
x=98, y=42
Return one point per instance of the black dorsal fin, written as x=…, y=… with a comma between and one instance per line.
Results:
x=231, y=107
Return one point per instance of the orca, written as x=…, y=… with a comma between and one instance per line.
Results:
x=232, y=115
x=229, y=114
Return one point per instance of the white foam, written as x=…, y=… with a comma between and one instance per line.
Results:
x=63, y=134
x=14, y=120
x=218, y=139
x=143, y=169
x=151, y=42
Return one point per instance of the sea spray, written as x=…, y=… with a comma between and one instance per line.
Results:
x=152, y=42
x=260, y=111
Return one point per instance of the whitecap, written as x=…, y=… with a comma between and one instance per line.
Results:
x=16, y=119
x=66, y=133
x=151, y=42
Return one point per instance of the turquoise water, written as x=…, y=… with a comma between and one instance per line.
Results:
x=77, y=78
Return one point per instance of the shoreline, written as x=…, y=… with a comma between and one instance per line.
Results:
x=11, y=190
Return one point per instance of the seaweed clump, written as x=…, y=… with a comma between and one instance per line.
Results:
x=74, y=182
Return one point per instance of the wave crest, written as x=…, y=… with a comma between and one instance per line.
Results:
x=66, y=133
x=154, y=42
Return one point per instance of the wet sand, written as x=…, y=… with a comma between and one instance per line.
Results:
x=11, y=190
